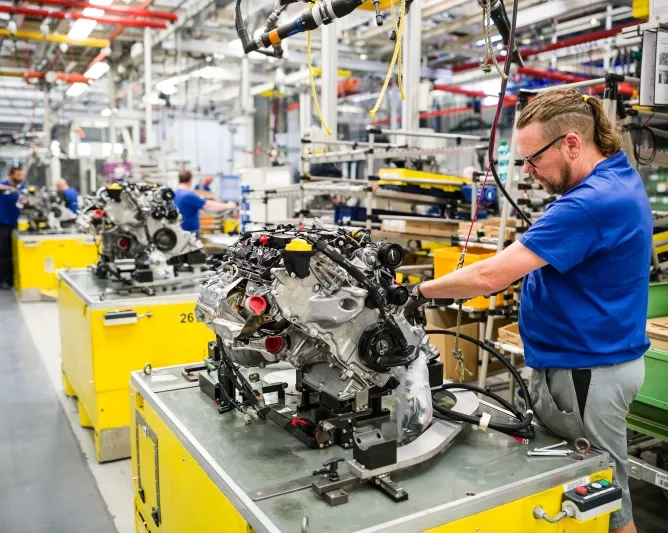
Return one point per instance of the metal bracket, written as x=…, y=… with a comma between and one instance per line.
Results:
x=148, y=432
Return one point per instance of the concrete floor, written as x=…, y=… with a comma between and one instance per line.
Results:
x=49, y=478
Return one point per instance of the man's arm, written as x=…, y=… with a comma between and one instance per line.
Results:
x=212, y=205
x=485, y=277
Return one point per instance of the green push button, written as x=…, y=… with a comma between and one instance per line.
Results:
x=604, y=483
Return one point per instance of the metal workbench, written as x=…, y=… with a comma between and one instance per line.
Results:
x=102, y=293
x=480, y=471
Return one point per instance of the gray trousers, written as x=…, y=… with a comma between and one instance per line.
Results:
x=602, y=418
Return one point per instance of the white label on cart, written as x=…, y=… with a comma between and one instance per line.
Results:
x=48, y=265
x=166, y=377
x=661, y=480
x=577, y=483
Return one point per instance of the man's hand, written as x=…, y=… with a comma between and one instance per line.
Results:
x=412, y=309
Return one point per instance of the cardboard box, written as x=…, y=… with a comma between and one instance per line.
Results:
x=657, y=331
x=493, y=232
x=496, y=221
x=419, y=227
x=447, y=319
x=510, y=334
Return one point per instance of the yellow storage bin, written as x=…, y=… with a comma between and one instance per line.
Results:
x=38, y=257
x=446, y=259
x=104, y=340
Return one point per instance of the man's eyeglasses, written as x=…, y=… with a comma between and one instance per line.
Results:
x=529, y=159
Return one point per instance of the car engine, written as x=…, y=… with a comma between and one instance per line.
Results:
x=45, y=209
x=142, y=239
x=325, y=301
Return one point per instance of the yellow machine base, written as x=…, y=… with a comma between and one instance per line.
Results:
x=175, y=494
x=98, y=358
x=37, y=258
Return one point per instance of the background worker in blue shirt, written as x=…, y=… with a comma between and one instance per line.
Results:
x=190, y=204
x=586, y=265
x=9, y=218
x=70, y=195
x=205, y=184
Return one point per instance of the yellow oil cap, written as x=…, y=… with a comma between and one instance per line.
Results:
x=32, y=189
x=298, y=245
x=113, y=187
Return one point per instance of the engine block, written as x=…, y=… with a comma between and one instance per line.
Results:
x=141, y=233
x=325, y=301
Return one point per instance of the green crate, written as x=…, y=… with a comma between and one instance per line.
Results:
x=649, y=411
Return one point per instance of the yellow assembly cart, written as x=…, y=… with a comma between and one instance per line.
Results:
x=196, y=470
x=37, y=257
x=105, y=336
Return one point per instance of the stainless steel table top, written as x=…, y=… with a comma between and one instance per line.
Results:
x=481, y=470
x=99, y=293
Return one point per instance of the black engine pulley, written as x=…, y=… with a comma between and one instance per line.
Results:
x=380, y=348
x=158, y=212
x=391, y=255
x=165, y=239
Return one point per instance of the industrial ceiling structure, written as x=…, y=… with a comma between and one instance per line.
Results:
x=77, y=53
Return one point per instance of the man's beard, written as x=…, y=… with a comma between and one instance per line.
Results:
x=560, y=186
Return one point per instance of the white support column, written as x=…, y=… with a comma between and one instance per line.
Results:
x=394, y=98
x=607, y=55
x=328, y=103
x=412, y=42
x=148, y=87
x=247, y=109
x=112, y=118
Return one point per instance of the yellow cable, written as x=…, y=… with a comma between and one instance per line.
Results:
x=400, y=82
x=397, y=50
x=310, y=76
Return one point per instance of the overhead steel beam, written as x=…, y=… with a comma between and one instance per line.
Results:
x=45, y=13
x=113, y=9
x=55, y=38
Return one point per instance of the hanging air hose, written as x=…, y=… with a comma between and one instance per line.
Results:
x=502, y=93
x=521, y=429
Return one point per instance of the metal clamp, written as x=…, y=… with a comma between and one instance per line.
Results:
x=541, y=514
x=554, y=450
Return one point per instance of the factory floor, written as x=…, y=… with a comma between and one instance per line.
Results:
x=50, y=481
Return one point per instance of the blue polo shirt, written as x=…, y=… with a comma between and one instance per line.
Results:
x=9, y=211
x=588, y=306
x=71, y=199
x=189, y=204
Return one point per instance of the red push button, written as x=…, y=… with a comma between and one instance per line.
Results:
x=581, y=491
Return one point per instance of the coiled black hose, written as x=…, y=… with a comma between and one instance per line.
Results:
x=521, y=429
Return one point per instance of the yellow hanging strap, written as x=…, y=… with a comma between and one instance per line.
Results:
x=396, y=56
x=310, y=76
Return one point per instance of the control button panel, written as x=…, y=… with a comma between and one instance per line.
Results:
x=592, y=500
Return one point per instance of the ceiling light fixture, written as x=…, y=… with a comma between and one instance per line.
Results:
x=106, y=112
x=594, y=21
x=364, y=57
x=77, y=89
x=97, y=70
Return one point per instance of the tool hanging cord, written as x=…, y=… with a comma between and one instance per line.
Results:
x=399, y=30
x=314, y=93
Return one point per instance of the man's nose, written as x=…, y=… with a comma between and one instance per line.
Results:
x=527, y=168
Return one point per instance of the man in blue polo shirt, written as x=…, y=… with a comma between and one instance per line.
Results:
x=70, y=195
x=586, y=265
x=9, y=218
x=190, y=203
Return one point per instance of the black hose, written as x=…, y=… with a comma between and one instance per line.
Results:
x=379, y=302
x=522, y=428
x=502, y=94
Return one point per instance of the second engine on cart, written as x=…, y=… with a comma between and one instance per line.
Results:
x=45, y=209
x=139, y=225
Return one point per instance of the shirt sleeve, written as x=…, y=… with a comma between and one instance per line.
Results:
x=196, y=201
x=564, y=236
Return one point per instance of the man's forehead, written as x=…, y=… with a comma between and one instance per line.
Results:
x=529, y=137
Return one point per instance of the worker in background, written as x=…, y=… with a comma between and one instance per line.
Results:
x=70, y=195
x=205, y=184
x=586, y=265
x=190, y=204
x=9, y=218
